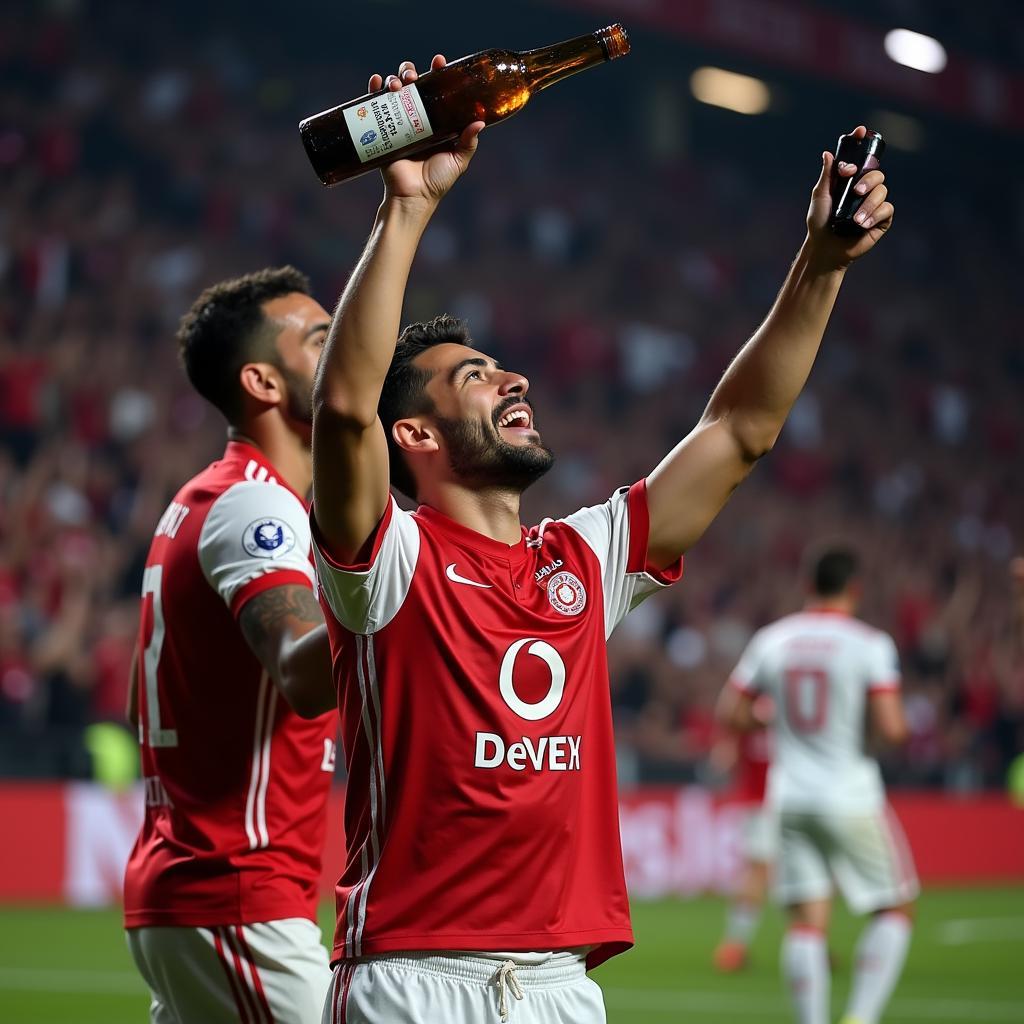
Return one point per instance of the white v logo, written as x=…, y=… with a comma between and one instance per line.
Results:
x=456, y=578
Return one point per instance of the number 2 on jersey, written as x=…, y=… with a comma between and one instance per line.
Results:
x=153, y=619
x=806, y=698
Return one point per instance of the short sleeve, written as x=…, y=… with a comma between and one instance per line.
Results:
x=366, y=597
x=256, y=536
x=883, y=668
x=748, y=674
x=617, y=533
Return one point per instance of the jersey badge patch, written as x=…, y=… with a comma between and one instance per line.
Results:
x=268, y=538
x=567, y=593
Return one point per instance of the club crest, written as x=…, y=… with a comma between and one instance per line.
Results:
x=566, y=593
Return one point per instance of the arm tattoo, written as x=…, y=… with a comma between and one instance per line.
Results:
x=275, y=615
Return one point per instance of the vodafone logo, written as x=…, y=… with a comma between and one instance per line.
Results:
x=539, y=753
x=506, y=686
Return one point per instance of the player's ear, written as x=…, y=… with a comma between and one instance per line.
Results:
x=262, y=382
x=414, y=435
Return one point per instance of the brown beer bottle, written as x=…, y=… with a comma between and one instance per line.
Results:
x=430, y=113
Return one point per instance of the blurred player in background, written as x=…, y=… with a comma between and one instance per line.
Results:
x=484, y=862
x=221, y=888
x=828, y=675
x=747, y=756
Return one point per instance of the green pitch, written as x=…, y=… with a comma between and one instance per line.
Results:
x=966, y=966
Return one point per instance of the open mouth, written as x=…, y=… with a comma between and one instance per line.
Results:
x=517, y=419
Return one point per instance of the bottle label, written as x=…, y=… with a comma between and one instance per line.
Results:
x=388, y=122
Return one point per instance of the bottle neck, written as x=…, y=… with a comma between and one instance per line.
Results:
x=549, y=64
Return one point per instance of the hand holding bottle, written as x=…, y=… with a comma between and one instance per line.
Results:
x=430, y=176
x=407, y=113
x=874, y=215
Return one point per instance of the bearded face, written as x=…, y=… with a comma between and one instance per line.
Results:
x=480, y=456
x=300, y=396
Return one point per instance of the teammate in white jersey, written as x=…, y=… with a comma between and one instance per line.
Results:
x=829, y=674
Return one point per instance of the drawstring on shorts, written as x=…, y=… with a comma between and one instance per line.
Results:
x=507, y=981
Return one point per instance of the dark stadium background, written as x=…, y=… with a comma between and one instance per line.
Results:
x=617, y=241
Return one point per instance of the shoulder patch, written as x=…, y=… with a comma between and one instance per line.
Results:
x=268, y=538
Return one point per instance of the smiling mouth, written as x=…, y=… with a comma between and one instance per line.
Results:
x=516, y=418
x=517, y=421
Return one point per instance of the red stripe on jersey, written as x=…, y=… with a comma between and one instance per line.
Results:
x=240, y=1005
x=261, y=995
x=366, y=556
x=269, y=580
x=259, y=773
x=370, y=852
x=639, y=539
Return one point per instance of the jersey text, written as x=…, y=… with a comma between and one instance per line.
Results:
x=555, y=753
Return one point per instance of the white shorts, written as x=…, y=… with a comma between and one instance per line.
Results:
x=759, y=836
x=271, y=973
x=867, y=855
x=461, y=988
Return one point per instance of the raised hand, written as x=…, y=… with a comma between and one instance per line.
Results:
x=875, y=213
x=430, y=176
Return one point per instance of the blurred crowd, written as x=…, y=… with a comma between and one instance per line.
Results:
x=128, y=183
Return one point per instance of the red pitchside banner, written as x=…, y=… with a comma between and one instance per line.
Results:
x=828, y=45
x=69, y=843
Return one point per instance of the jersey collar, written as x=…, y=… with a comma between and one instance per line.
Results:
x=468, y=538
x=243, y=452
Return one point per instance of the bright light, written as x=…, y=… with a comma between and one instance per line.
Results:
x=914, y=50
x=727, y=89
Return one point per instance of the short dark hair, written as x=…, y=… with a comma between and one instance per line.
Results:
x=833, y=570
x=226, y=328
x=404, y=392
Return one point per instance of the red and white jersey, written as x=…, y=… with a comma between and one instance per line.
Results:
x=481, y=809
x=236, y=783
x=819, y=668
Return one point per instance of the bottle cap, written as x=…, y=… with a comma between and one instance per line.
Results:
x=615, y=41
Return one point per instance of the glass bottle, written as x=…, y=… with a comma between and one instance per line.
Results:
x=430, y=113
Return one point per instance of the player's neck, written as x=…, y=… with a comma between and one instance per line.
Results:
x=830, y=606
x=287, y=453
x=492, y=512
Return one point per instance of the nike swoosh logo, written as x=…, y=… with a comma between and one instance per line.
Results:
x=456, y=578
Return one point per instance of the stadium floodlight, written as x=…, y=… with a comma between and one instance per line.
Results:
x=721, y=88
x=914, y=50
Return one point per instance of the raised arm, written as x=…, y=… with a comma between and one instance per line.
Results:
x=350, y=456
x=748, y=408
